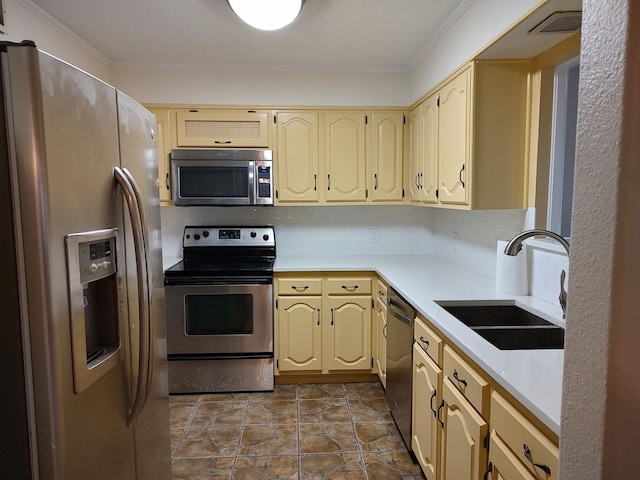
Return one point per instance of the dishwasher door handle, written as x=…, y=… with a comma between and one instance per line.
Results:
x=397, y=313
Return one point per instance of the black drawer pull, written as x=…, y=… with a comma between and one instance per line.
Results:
x=527, y=454
x=433, y=395
x=459, y=380
x=424, y=340
x=350, y=287
x=300, y=289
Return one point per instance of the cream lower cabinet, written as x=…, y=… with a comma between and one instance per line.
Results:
x=379, y=333
x=519, y=450
x=427, y=397
x=464, y=453
x=323, y=324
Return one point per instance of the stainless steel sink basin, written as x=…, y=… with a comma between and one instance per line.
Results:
x=523, y=338
x=505, y=325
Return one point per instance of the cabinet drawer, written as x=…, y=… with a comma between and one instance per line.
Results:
x=467, y=380
x=505, y=464
x=521, y=435
x=348, y=286
x=299, y=286
x=428, y=340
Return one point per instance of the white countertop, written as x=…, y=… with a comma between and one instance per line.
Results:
x=534, y=377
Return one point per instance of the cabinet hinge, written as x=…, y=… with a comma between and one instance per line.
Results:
x=366, y=193
x=274, y=119
x=277, y=363
x=366, y=119
x=438, y=101
x=403, y=193
x=276, y=303
x=372, y=304
x=404, y=119
x=437, y=193
x=371, y=362
x=276, y=193
x=486, y=440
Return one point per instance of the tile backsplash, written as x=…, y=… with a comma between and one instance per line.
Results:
x=467, y=238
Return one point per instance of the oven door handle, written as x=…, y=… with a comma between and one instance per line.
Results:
x=132, y=195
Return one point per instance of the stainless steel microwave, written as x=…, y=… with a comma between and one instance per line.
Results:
x=221, y=177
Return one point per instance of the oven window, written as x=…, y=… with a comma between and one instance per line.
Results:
x=219, y=314
x=214, y=182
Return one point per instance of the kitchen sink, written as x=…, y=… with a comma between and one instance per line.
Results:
x=505, y=325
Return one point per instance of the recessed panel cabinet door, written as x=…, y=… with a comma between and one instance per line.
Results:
x=426, y=430
x=414, y=143
x=380, y=343
x=430, y=147
x=386, y=156
x=464, y=455
x=299, y=334
x=347, y=333
x=297, y=159
x=345, y=156
x=454, y=142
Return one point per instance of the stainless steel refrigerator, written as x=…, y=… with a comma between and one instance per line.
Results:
x=82, y=337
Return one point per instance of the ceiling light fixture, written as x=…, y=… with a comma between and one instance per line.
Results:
x=266, y=14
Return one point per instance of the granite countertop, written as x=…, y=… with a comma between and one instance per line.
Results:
x=534, y=377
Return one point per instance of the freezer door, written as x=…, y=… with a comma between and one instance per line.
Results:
x=62, y=132
x=139, y=158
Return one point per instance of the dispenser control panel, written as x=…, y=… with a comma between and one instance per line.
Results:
x=97, y=259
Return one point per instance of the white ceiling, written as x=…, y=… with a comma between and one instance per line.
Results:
x=339, y=35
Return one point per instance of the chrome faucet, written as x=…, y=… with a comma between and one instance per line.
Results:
x=515, y=245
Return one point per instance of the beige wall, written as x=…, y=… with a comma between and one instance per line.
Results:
x=25, y=21
x=601, y=395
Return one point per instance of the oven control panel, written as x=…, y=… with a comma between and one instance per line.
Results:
x=228, y=236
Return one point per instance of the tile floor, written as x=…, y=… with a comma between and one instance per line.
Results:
x=302, y=432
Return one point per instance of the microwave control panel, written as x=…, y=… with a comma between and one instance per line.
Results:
x=264, y=181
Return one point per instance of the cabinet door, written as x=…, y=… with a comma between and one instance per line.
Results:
x=425, y=440
x=222, y=128
x=345, y=156
x=464, y=454
x=297, y=157
x=164, y=148
x=454, y=142
x=380, y=343
x=414, y=142
x=299, y=334
x=386, y=156
x=347, y=333
x=429, y=134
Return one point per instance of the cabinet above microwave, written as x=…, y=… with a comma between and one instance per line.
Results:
x=223, y=128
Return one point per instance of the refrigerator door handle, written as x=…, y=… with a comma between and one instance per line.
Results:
x=132, y=200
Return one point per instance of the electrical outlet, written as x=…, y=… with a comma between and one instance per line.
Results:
x=374, y=235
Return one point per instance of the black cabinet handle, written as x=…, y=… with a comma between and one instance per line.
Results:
x=424, y=340
x=225, y=142
x=328, y=181
x=315, y=182
x=332, y=316
x=489, y=470
x=166, y=182
x=318, y=312
x=527, y=454
x=350, y=287
x=375, y=181
x=438, y=414
x=459, y=380
x=460, y=176
x=433, y=395
x=300, y=289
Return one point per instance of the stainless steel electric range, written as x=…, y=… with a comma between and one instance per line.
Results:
x=219, y=310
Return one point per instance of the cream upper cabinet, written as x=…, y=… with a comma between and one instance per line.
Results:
x=297, y=157
x=163, y=141
x=427, y=396
x=454, y=130
x=428, y=177
x=387, y=133
x=223, y=128
x=413, y=157
x=344, y=153
x=470, y=138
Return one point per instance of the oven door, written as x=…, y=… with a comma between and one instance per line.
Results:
x=219, y=319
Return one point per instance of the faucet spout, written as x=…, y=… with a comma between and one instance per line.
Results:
x=515, y=245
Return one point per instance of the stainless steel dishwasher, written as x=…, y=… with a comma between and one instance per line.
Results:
x=399, y=362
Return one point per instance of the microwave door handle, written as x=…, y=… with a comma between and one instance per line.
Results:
x=138, y=240
x=253, y=182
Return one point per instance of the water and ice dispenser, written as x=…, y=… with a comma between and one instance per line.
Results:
x=92, y=270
